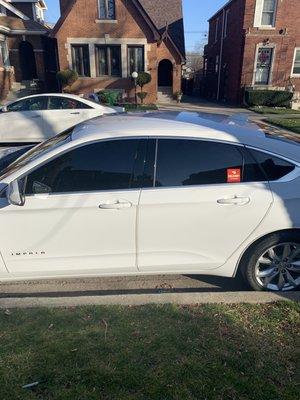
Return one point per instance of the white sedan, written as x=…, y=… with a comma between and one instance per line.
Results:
x=36, y=118
x=129, y=195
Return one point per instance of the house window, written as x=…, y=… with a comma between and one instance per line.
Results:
x=136, y=61
x=107, y=9
x=226, y=23
x=263, y=66
x=217, y=29
x=108, y=60
x=81, y=59
x=268, y=13
x=296, y=64
x=4, y=56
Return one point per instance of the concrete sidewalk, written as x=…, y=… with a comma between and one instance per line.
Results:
x=142, y=299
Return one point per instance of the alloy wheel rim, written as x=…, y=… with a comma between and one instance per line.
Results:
x=278, y=268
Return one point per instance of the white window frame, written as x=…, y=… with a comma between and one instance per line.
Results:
x=293, y=65
x=258, y=15
x=6, y=61
x=258, y=46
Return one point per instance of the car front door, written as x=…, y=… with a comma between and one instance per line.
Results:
x=63, y=113
x=79, y=216
x=208, y=198
x=23, y=121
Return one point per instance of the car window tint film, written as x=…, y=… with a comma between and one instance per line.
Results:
x=274, y=167
x=194, y=162
x=108, y=165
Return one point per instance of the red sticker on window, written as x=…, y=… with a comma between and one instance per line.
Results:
x=233, y=175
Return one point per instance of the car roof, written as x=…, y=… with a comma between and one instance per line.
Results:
x=167, y=125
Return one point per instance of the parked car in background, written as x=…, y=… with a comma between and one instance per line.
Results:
x=208, y=202
x=34, y=119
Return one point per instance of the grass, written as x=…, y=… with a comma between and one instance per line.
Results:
x=292, y=124
x=274, y=110
x=212, y=352
x=141, y=107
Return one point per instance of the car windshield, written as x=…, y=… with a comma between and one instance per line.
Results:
x=37, y=151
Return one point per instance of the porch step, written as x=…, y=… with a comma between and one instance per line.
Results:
x=165, y=95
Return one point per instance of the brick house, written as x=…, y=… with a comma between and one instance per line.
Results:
x=253, y=43
x=22, y=30
x=106, y=40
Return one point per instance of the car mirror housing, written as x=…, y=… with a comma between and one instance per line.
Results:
x=15, y=193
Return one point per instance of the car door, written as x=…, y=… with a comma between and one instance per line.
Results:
x=79, y=216
x=23, y=121
x=63, y=113
x=207, y=199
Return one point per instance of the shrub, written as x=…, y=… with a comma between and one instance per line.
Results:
x=142, y=96
x=66, y=77
x=142, y=79
x=110, y=97
x=269, y=98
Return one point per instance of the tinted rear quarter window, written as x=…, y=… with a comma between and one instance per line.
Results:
x=274, y=167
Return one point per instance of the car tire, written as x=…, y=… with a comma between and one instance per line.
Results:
x=273, y=263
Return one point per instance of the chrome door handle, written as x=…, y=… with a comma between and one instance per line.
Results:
x=117, y=205
x=236, y=201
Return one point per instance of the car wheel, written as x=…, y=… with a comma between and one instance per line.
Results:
x=273, y=263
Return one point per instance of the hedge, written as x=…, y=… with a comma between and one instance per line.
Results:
x=269, y=98
x=110, y=97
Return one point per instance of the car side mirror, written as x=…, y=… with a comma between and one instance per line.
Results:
x=4, y=109
x=16, y=193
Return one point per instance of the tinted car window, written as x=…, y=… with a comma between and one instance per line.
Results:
x=64, y=103
x=11, y=157
x=32, y=104
x=195, y=162
x=274, y=167
x=110, y=165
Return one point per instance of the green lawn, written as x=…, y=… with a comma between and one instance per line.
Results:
x=212, y=352
x=273, y=110
x=286, y=123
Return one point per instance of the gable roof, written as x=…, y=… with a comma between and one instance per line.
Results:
x=168, y=25
x=20, y=26
x=167, y=14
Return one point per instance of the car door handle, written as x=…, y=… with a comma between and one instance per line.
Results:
x=116, y=205
x=36, y=116
x=75, y=113
x=236, y=201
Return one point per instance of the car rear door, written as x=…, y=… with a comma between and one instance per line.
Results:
x=65, y=112
x=208, y=197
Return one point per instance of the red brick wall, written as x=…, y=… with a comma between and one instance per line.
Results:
x=288, y=17
x=81, y=23
x=6, y=80
x=239, y=51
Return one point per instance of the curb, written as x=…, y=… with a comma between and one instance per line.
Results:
x=143, y=299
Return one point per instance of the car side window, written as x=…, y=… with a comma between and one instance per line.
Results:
x=274, y=167
x=106, y=165
x=65, y=103
x=31, y=104
x=183, y=162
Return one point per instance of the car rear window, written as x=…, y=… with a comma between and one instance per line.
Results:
x=274, y=167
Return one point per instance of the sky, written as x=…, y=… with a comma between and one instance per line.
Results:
x=196, y=14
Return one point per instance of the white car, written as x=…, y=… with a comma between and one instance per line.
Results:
x=34, y=119
x=129, y=195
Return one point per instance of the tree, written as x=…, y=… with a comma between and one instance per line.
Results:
x=66, y=78
x=143, y=79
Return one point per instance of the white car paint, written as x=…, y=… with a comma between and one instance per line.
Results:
x=156, y=230
x=39, y=125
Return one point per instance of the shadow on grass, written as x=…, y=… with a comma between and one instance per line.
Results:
x=154, y=352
